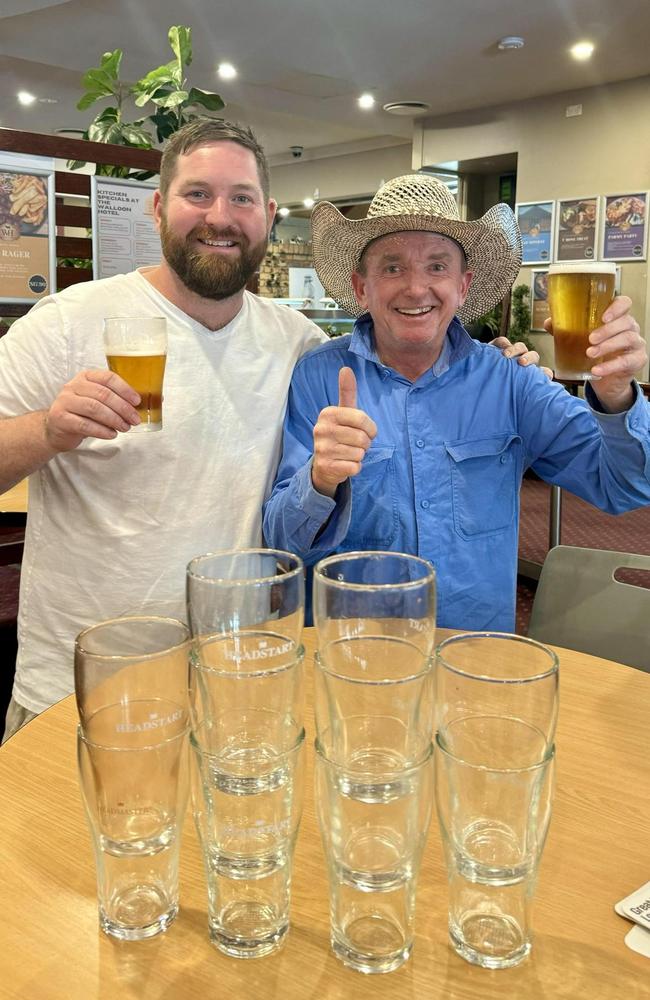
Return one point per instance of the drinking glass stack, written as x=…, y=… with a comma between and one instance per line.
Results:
x=496, y=698
x=375, y=617
x=246, y=612
x=131, y=691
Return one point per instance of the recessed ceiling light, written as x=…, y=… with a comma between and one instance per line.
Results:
x=25, y=97
x=366, y=101
x=226, y=71
x=284, y=211
x=308, y=202
x=511, y=42
x=582, y=51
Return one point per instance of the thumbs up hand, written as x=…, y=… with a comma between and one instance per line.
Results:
x=342, y=436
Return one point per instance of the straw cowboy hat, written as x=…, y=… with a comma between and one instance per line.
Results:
x=418, y=202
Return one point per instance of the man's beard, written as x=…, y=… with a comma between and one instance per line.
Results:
x=211, y=275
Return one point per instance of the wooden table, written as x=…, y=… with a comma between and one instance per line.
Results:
x=15, y=499
x=597, y=852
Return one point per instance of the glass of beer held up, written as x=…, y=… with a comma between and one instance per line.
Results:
x=136, y=349
x=578, y=295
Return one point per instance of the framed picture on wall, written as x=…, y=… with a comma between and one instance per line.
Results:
x=27, y=230
x=625, y=226
x=539, y=310
x=536, y=222
x=577, y=228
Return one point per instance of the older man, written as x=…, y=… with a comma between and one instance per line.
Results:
x=408, y=435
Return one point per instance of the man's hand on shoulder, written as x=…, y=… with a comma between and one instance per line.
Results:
x=92, y=404
x=520, y=352
x=342, y=436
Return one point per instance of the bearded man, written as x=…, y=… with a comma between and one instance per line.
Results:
x=115, y=517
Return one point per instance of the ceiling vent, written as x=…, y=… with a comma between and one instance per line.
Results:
x=407, y=108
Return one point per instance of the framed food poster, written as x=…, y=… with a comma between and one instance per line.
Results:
x=536, y=224
x=539, y=309
x=124, y=232
x=577, y=228
x=27, y=228
x=625, y=226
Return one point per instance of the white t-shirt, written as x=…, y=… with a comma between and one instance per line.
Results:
x=113, y=524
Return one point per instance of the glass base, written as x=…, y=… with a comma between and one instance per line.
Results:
x=371, y=944
x=586, y=376
x=144, y=427
x=137, y=932
x=245, y=931
x=493, y=941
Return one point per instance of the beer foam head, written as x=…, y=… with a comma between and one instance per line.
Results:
x=584, y=267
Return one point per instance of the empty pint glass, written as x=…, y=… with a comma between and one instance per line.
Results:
x=246, y=610
x=136, y=350
x=578, y=295
x=497, y=675
x=493, y=795
x=373, y=835
x=379, y=594
x=133, y=777
x=131, y=660
x=247, y=809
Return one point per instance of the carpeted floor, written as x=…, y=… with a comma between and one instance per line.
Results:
x=582, y=525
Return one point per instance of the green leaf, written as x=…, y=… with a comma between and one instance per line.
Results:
x=180, y=39
x=105, y=131
x=145, y=88
x=89, y=98
x=75, y=164
x=137, y=136
x=107, y=115
x=97, y=79
x=166, y=124
x=171, y=100
x=111, y=63
x=205, y=98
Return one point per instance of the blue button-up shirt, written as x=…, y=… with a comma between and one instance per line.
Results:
x=442, y=477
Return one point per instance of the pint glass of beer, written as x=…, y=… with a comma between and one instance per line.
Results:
x=136, y=349
x=578, y=295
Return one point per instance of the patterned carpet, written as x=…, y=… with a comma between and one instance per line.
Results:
x=582, y=525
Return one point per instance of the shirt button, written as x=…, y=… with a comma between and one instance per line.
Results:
x=425, y=504
x=420, y=443
x=503, y=460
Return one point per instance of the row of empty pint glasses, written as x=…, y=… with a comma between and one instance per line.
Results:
x=379, y=698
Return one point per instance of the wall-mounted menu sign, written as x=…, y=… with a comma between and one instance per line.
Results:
x=535, y=220
x=625, y=229
x=27, y=235
x=577, y=225
x=124, y=233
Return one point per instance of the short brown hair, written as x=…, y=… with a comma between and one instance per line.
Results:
x=200, y=133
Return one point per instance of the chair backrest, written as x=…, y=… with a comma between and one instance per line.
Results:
x=579, y=605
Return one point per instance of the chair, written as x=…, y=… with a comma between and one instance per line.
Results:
x=12, y=535
x=580, y=605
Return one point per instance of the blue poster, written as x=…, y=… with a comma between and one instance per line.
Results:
x=624, y=236
x=536, y=224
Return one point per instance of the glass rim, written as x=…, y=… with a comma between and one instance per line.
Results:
x=81, y=737
x=297, y=569
x=116, y=657
x=583, y=267
x=295, y=747
x=133, y=319
x=543, y=762
x=416, y=765
x=378, y=554
x=541, y=675
x=267, y=671
x=384, y=682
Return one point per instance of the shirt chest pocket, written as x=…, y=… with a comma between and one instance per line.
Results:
x=484, y=483
x=374, y=502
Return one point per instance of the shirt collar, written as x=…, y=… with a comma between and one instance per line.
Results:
x=457, y=345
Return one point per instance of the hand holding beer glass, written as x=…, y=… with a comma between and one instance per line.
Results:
x=578, y=295
x=136, y=350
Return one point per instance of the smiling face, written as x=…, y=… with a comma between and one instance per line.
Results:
x=214, y=220
x=412, y=284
